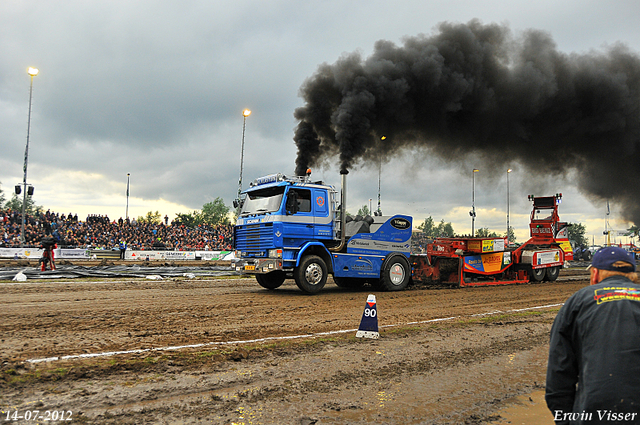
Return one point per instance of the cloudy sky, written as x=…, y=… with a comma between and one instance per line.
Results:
x=157, y=89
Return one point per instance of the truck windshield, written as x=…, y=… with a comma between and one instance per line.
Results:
x=543, y=214
x=263, y=200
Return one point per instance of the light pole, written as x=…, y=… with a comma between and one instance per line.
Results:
x=508, y=235
x=32, y=72
x=472, y=213
x=245, y=114
x=127, y=211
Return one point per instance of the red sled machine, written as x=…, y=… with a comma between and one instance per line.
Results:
x=467, y=261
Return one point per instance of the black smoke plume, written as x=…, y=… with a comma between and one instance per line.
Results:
x=477, y=90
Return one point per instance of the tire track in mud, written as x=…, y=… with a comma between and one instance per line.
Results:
x=59, y=320
x=272, y=339
x=329, y=380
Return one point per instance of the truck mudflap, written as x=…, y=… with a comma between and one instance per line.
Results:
x=258, y=265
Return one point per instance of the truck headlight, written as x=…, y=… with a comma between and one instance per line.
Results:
x=275, y=253
x=238, y=254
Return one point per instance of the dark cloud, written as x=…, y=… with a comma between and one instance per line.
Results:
x=476, y=91
x=156, y=89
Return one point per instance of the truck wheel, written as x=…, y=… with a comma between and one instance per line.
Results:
x=311, y=275
x=537, y=275
x=395, y=273
x=349, y=282
x=586, y=256
x=271, y=280
x=552, y=273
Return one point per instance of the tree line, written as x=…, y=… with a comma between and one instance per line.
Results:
x=212, y=213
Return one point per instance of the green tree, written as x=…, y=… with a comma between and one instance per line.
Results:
x=444, y=230
x=576, y=233
x=214, y=213
x=15, y=203
x=150, y=218
x=364, y=211
x=484, y=232
x=633, y=231
x=191, y=219
x=427, y=227
x=511, y=235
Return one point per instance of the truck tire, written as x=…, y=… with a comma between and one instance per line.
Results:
x=552, y=273
x=586, y=255
x=311, y=274
x=537, y=275
x=271, y=280
x=349, y=282
x=395, y=273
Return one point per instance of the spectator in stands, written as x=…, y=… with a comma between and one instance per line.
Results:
x=98, y=232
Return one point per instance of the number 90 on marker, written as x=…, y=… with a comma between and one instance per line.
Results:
x=370, y=312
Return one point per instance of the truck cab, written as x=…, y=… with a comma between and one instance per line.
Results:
x=293, y=227
x=280, y=212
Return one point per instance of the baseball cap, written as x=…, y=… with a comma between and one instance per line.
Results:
x=606, y=257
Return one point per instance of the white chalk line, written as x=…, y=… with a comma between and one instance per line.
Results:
x=272, y=338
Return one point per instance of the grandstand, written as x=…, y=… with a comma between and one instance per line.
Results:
x=99, y=232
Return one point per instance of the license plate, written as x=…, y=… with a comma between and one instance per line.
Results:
x=249, y=267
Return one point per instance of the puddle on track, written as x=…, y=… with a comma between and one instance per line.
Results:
x=527, y=409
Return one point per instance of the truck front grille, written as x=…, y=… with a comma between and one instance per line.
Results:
x=254, y=239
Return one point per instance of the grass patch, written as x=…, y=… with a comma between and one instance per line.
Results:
x=60, y=371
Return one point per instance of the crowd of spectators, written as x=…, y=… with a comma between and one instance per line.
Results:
x=99, y=232
x=419, y=242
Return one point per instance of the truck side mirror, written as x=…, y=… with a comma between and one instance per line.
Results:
x=292, y=203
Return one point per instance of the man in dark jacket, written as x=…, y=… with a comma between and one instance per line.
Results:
x=593, y=375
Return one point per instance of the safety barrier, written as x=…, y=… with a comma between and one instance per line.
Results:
x=138, y=255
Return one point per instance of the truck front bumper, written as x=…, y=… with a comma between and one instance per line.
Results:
x=257, y=265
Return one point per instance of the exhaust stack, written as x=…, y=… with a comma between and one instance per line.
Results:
x=343, y=210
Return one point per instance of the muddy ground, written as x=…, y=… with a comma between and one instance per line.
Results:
x=445, y=356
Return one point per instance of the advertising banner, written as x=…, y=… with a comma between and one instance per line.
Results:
x=73, y=254
x=215, y=255
x=21, y=253
x=160, y=255
x=547, y=257
x=85, y=254
x=486, y=245
x=487, y=263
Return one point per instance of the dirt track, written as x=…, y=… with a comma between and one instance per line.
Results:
x=460, y=370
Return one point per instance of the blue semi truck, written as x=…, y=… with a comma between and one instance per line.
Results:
x=292, y=227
